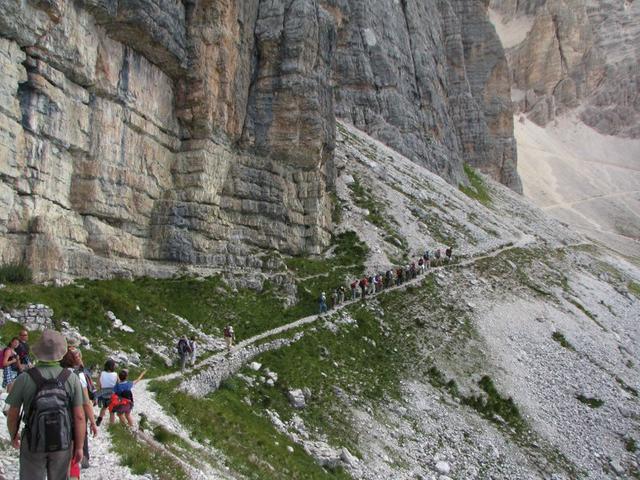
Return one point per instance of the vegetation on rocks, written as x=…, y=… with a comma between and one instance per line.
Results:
x=15, y=273
x=477, y=188
x=143, y=458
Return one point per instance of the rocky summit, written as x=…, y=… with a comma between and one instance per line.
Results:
x=140, y=134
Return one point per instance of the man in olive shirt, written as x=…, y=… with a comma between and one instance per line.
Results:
x=49, y=350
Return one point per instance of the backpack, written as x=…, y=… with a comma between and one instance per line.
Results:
x=183, y=347
x=49, y=425
x=91, y=387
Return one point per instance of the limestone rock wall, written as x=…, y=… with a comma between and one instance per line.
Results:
x=138, y=135
x=429, y=79
x=577, y=54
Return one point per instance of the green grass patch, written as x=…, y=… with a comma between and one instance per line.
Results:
x=143, y=458
x=246, y=437
x=630, y=445
x=147, y=306
x=634, y=288
x=626, y=388
x=590, y=402
x=493, y=406
x=15, y=273
x=476, y=189
x=560, y=338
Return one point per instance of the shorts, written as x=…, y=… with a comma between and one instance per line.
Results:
x=104, y=397
x=9, y=376
x=122, y=409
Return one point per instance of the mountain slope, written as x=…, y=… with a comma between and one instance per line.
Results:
x=519, y=360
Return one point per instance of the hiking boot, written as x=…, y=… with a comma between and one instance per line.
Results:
x=85, y=463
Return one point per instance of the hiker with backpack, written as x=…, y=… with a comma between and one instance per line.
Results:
x=52, y=403
x=184, y=351
x=363, y=287
x=322, y=301
x=10, y=364
x=448, y=252
x=354, y=290
x=122, y=397
x=72, y=360
x=229, y=335
x=106, y=382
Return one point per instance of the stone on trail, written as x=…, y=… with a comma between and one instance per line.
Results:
x=296, y=398
x=443, y=467
x=255, y=366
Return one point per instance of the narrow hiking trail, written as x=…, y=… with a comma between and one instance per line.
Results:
x=225, y=364
x=211, y=372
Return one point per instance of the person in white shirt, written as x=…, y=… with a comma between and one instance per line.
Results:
x=108, y=380
x=193, y=346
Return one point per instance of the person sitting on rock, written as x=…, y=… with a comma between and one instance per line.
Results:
x=448, y=252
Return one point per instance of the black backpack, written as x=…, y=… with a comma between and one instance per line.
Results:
x=91, y=387
x=49, y=425
x=183, y=347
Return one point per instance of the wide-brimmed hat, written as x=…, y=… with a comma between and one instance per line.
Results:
x=50, y=347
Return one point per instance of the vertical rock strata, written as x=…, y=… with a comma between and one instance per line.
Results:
x=138, y=133
x=577, y=54
x=428, y=78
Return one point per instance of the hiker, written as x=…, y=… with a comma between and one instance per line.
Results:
x=354, y=290
x=106, y=382
x=322, y=302
x=193, y=346
x=122, y=398
x=448, y=252
x=436, y=256
x=412, y=270
x=23, y=351
x=370, y=285
x=420, y=266
x=184, y=351
x=341, y=294
x=427, y=260
x=229, y=336
x=363, y=287
x=47, y=453
x=10, y=363
x=72, y=360
x=388, y=279
x=399, y=273
x=334, y=299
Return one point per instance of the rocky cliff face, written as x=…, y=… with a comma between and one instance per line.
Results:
x=575, y=54
x=136, y=134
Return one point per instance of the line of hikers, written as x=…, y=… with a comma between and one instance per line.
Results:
x=376, y=282
x=55, y=399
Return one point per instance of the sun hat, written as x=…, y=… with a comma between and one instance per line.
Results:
x=50, y=347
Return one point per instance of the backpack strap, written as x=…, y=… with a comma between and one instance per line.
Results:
x=36, y=376
x=64, y=376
